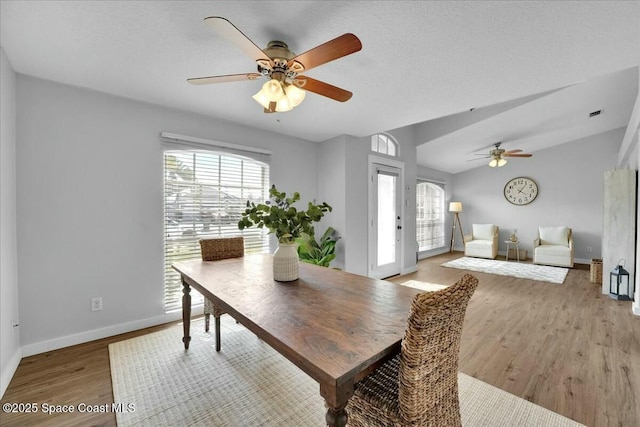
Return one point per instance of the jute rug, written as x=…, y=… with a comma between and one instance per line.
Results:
x=249, y=384
x=541, y=273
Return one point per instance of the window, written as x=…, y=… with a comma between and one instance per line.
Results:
x=429, y=215
x=205, y=193
x=384, y=144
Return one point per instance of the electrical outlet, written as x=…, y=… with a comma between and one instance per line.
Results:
x=96, y=304
x=589, y=249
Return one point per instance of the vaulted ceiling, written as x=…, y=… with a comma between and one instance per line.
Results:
x=420, y=61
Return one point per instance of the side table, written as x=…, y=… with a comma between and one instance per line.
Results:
x=509, y=243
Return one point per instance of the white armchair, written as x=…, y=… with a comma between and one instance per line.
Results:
x=482, y=242
x=554, y=246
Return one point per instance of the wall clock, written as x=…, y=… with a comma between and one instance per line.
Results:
x=521, y=191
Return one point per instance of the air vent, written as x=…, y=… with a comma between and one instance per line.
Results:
x=595, y=113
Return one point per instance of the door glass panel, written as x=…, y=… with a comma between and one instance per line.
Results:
x=386, y=219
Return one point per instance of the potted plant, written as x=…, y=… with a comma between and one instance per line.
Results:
x=288, y=223
x=318, y=253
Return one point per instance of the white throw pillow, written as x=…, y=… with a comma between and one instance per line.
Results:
x=554, y=235
x=483, y=231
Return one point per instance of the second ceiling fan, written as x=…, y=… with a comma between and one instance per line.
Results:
x=499, y=155
x=286, y=87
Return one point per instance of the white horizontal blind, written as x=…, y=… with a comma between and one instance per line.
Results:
x=429, y=216
x=205, y=193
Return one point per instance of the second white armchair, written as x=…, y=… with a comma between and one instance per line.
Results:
x=554, y=246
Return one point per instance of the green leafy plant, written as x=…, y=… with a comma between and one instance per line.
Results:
x=318, y=253
x=281, y=218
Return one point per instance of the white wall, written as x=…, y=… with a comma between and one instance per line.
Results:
x=636, y=302
x=570, y=182
x=331, y=189
x=10, y=351
x=89, y=204
x=406, y=138
x=629, y=157
x=356, y=190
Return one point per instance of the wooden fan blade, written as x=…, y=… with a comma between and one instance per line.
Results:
x=513, y=151
x=517, y=155
x=224, y=79
x=322, y=88
x=229, y=31
x=341, y=46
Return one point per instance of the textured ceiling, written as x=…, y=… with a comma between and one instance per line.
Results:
x=419, y=61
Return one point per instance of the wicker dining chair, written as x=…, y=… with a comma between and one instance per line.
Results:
x=419, y=387
x=213, y=250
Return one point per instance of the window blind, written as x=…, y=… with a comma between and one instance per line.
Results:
x=205, y=193
x=429, y=215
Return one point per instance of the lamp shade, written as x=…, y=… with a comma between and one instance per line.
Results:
x=286, y=96
x=455, y=206
x=271, y=91
x=295, y=95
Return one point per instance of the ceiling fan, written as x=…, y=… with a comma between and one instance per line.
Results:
x=286, y=87
x=499, y=155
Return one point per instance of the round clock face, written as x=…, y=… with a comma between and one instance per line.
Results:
x=521, y=191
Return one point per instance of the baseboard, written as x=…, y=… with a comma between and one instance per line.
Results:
x=10, y=370
x=96, y=334
x=432, y=253
x=409, y=270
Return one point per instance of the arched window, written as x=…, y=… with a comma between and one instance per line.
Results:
x=384, y=144
x=429, y=215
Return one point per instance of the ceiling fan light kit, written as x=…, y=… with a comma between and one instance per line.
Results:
x=286, y=88
x=497, y=162
x=499, y=155
x=285, y=96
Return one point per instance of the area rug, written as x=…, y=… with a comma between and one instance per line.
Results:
x=542, y=273
x=424, y=286
x=249, y=384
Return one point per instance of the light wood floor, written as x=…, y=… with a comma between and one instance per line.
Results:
x=564, y=347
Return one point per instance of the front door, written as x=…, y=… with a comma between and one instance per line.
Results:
x=386, y=223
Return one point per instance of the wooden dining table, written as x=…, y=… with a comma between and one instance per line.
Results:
x=335, y=326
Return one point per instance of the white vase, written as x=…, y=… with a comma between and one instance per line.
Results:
x=285, y=263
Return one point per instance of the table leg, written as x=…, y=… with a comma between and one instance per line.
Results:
x=336, y=399
x=336, y=417
x=217, y=320
x=186, y=313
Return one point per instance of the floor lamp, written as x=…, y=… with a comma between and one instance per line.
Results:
x=456, y=208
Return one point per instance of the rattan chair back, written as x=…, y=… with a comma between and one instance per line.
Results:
x=428, y=372
x=419, y=386
x=222, y=248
